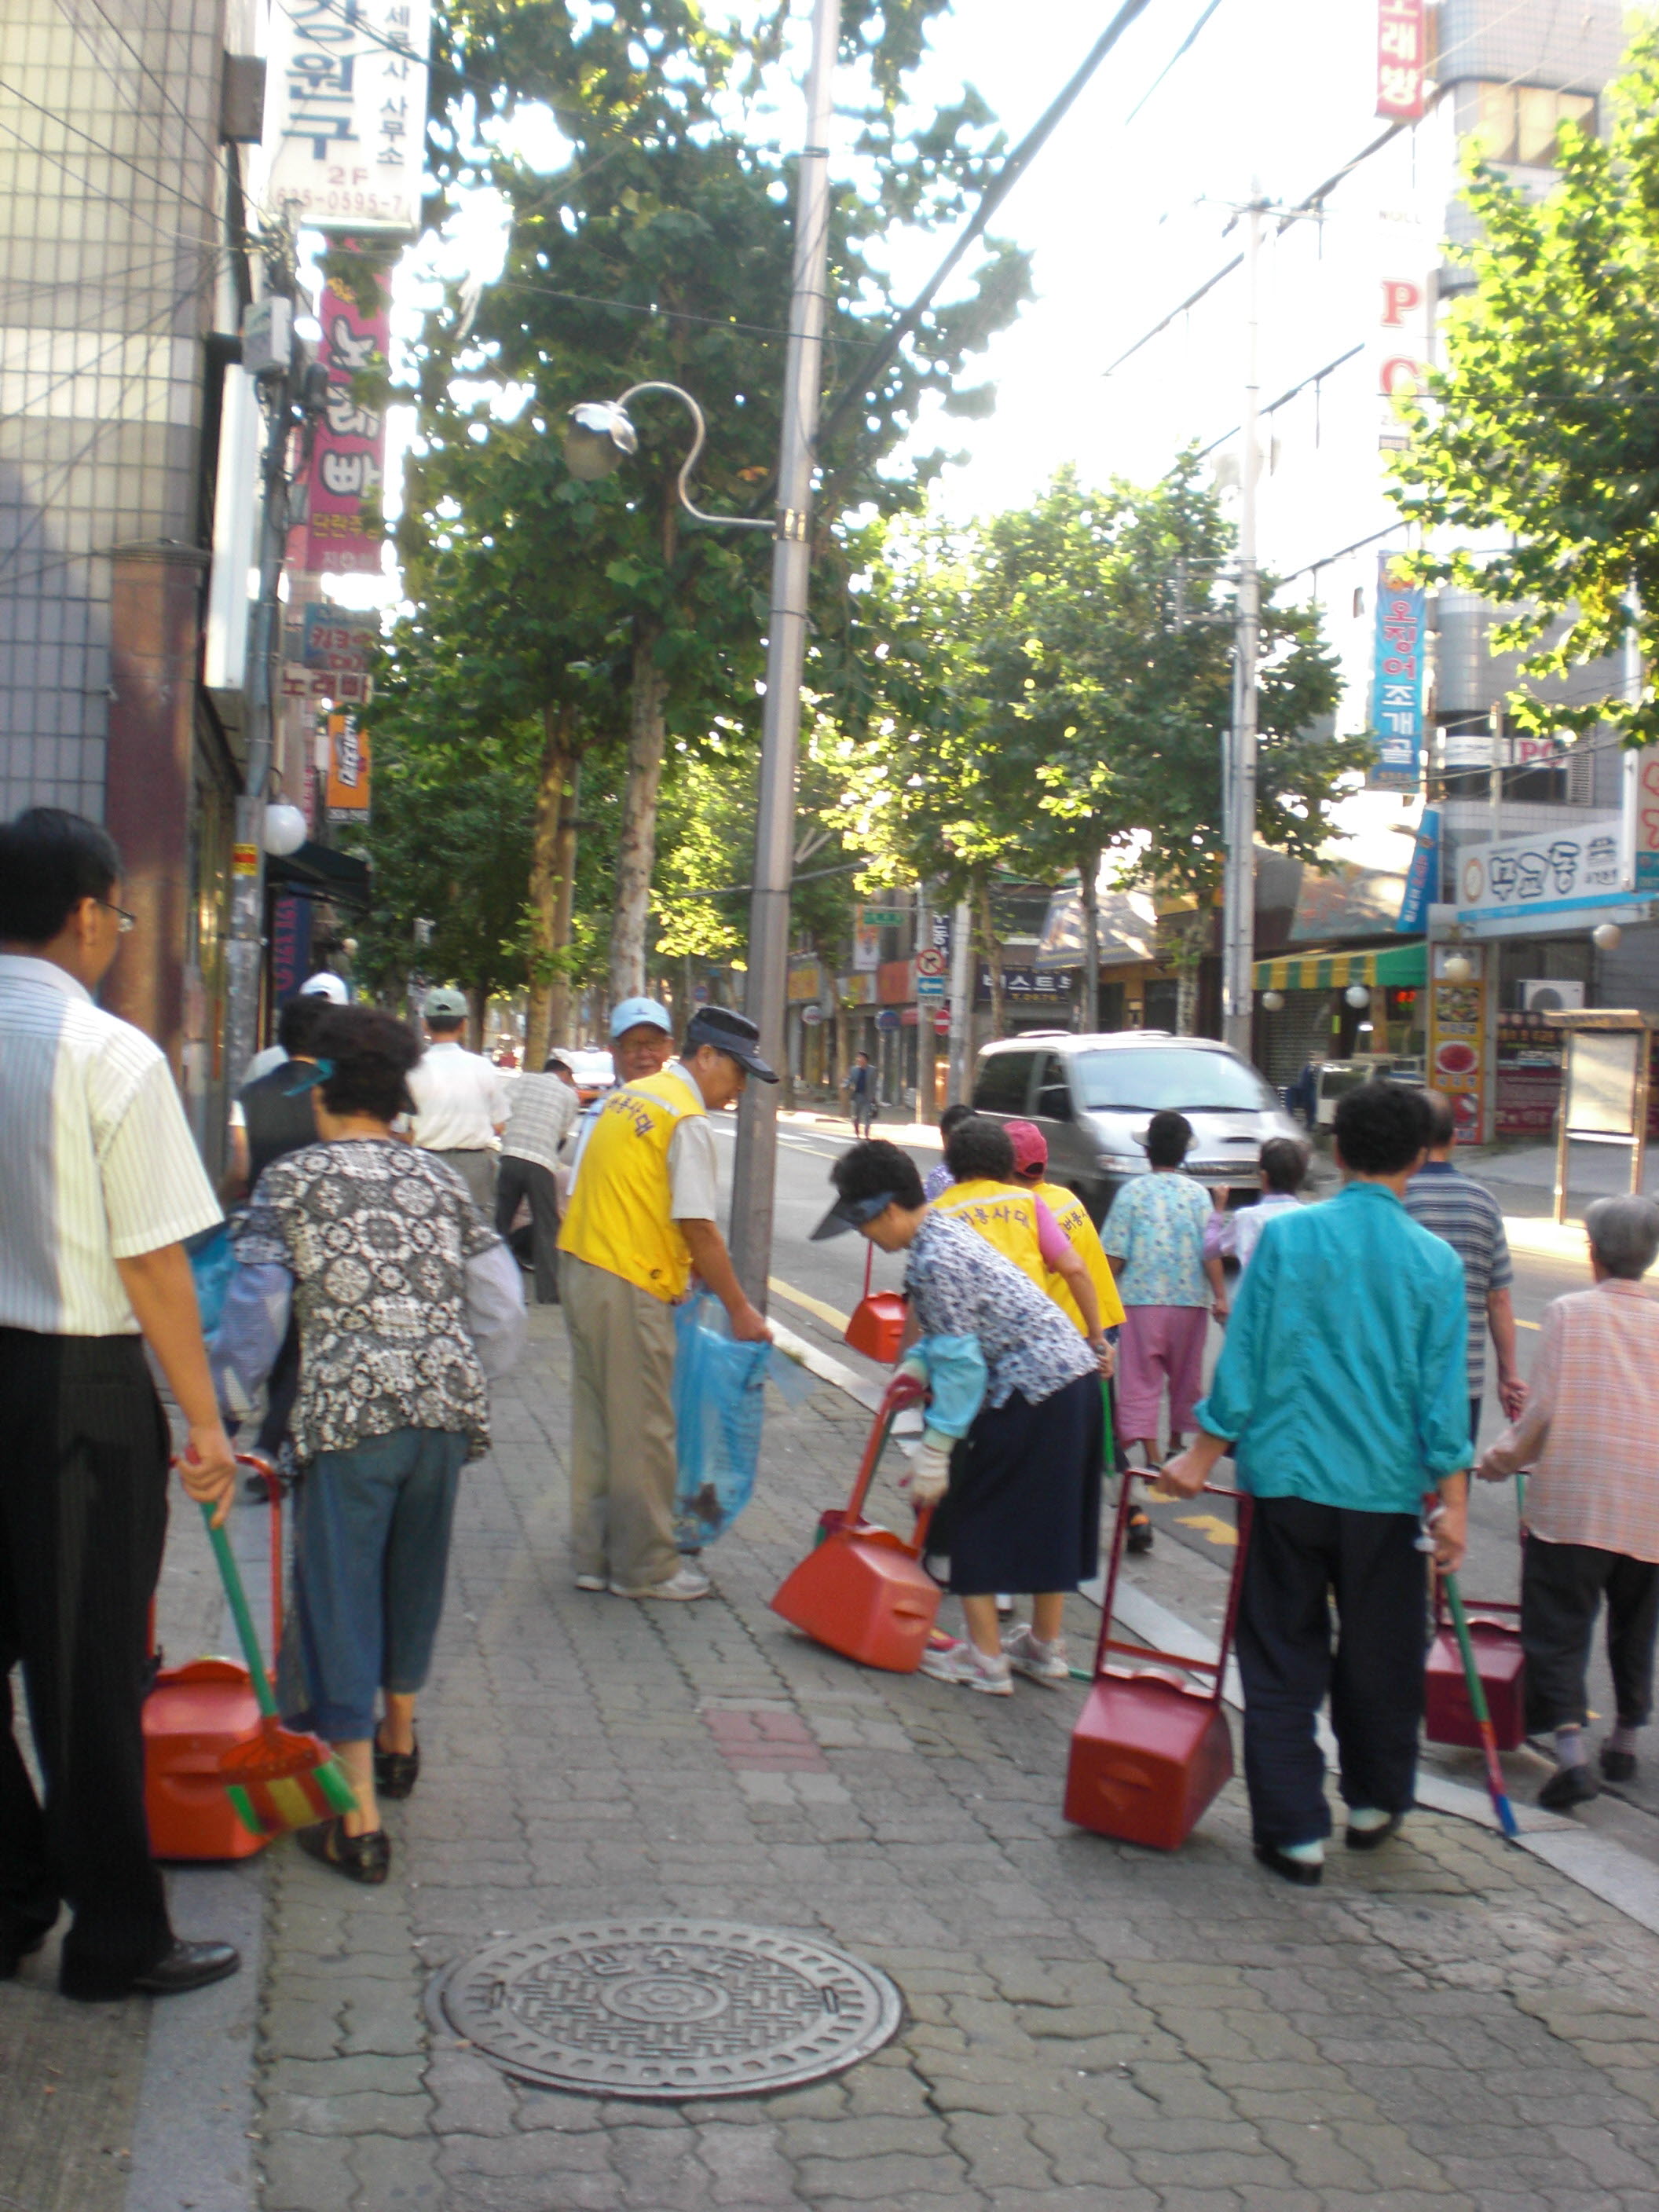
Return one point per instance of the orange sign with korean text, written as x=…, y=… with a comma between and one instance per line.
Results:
x=347, y=769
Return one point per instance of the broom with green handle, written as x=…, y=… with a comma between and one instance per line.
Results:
x=1500, y=1802
x=282, y=1780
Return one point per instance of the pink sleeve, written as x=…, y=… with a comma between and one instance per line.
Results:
x=1052, y=1240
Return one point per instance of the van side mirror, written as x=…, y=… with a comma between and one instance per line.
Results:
x=1054, y=1102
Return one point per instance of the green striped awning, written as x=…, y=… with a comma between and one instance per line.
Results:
x=1395, y=966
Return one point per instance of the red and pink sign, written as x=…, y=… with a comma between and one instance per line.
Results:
x=1402, y=60
x=348, y=462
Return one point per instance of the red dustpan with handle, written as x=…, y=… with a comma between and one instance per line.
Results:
x=862, y=1590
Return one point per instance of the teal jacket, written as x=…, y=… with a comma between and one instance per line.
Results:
x=1343, y=1379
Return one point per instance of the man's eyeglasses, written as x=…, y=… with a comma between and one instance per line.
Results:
x=123, y=920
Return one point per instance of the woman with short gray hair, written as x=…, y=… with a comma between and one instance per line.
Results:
x=1590, y=1436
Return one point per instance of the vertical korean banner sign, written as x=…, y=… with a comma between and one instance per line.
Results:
x=1397, y=691
x=348, y=462
x=1402, y=60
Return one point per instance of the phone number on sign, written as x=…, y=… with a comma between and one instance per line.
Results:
x=365, y=206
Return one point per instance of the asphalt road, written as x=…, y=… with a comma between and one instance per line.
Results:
x=815, y=1286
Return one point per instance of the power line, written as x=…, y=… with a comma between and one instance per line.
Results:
x=995, y=192
x=1285, y=397
x=1191, y=301
x=108, y=153
x=208, y=146
x=1182, y=48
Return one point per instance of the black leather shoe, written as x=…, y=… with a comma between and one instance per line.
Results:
x=396, y=1773
x=1367, y=1839
x=1305, y=1873
x=188, y=1966
x=1567, y=1787
x=360, y=1858
x=1617, y=1765
x=1139, y=1537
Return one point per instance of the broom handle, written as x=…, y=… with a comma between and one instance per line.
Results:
x=1500, y=1802
x=230, y=1576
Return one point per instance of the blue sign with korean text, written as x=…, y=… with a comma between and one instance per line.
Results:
x=1397, y=686
x=1423, y=876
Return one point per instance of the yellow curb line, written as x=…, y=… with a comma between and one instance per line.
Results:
x=814, y=1306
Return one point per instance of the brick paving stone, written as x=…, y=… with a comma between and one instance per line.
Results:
x=395, y=2174
x=306, y=2174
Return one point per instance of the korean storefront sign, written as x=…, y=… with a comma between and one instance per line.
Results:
x=1545, y=873
x=343, y=533
x=1641, y=820
x=1402, y=60
x=1457, y=1037
x=346, y=112
x=1397, y=688
x=347, y=770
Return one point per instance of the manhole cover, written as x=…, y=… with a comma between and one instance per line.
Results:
x=668, y=2008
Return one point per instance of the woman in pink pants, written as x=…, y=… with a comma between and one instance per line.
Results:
x=1154, y=1238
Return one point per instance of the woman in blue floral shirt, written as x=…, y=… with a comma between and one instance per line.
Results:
x=1018, y=1500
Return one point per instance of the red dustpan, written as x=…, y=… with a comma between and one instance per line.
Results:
x=1151, y=1750
x=875, y=1326
x=862, y=1590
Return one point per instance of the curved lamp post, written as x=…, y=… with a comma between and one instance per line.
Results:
x=602, y=436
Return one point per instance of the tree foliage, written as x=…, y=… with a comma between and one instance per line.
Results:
x=1544, y=424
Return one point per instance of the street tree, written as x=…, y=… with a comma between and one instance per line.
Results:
x=1543, y=427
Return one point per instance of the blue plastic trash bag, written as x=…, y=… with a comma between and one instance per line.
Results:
x=956, y=1379
x=719, y=1394
x=213, y=1262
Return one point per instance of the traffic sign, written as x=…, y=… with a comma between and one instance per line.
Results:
x=942, y=1023
x=887, y=1018
x=929, y=989
x=930, y=960
x=812, y=1016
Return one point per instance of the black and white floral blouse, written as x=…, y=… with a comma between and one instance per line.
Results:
x=377, y=1235
x=960, y=1285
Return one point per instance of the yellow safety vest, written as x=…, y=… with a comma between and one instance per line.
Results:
x=1005, y=1217
x=619, y=1217
x=1081, y=1235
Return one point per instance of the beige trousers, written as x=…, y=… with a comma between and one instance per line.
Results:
x=622, y=1441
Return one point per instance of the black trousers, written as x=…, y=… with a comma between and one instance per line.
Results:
x=530, y=1179
x=1562, y=1586
x=83, y=1469
x=1302, y=1556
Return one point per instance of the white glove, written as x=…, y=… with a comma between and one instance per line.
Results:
x=930, y=1472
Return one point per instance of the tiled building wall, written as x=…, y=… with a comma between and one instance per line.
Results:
x=112, y=196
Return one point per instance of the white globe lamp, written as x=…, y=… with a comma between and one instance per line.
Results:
x=285, y=829
x=1606, y=936
x=1272, y=1002
x=1357, y=995
x=1457, y=968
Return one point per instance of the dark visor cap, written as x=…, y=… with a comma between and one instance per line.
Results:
x=734, y=1034
x=851, y=1213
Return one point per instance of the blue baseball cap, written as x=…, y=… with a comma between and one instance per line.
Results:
x=633, y=1012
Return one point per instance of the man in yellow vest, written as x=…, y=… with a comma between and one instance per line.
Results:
x=1020, y=1223
x=640, y=1224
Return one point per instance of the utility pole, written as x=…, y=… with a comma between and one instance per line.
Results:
x=755, y=1168
x=962, y=1002
x=1238, y=897
x=245, y=945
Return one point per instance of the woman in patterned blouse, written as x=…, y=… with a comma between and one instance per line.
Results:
x=1020, y=1507
x=405, y=1301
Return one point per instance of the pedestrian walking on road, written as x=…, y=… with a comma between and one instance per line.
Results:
x=1339, y=1391
x=99, y=1185
x=460, y=1100
x=1017, y=1501
x=1589, y=1434
x=859, y=1084
x=1283, y=1165
x=1464, y=1212
x=1154, y=1238
x=406, y=1302
x=640, y=1223
x=540, y=1114
x=939, y=1178
x=1030, y=1172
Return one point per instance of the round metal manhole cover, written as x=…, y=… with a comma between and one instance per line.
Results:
x=668, y=2008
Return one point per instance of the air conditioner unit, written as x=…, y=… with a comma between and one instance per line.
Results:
x=1541, y=995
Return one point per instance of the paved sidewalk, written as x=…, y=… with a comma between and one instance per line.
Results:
x=1089, y=2027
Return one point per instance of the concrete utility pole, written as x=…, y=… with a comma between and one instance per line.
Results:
x=961, y=1003
x=1238, y=897
x=245, y=946
x=755, y=1168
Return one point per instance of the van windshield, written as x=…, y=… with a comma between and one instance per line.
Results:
x=1137, y=1082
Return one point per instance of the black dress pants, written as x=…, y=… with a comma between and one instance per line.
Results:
x=84, y=1468
x=1562, y=1586
x=1302, y=1556
x=530, y=1179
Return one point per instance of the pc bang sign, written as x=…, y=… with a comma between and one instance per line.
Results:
x=1397, y=688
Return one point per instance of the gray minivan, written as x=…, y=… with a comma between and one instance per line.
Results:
x=1092, y=1097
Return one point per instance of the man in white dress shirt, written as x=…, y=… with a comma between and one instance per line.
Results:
x=99, y=1186
x=460, y=1100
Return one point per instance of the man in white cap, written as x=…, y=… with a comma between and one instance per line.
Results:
x=460, y=1100
x=324, y=984
x=640, y=1223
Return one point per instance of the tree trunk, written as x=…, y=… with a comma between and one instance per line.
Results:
x=993, y=956
x=552, y=854
x=561, y=1028
x=1089, y=889
x=636, y=847
x=1189, y=957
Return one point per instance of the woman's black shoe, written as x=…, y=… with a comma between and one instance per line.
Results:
x=396, y=1773
x=1370, y=1839
x=1306, y=1874
x=360, y=1858
x=1567, y=1787
x=1139, y=1537
x=1618, y=1766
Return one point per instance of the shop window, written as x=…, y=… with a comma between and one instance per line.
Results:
x=1520, y=123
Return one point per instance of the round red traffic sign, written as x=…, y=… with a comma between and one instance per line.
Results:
x=942, y=1023
x=930, y=960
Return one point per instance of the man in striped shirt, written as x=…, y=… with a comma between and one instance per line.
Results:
x=99, y=1185
x=1464, y=1214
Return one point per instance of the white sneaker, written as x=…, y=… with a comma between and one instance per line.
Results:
x=1043, y=1662
x=688, y=1582
x=592, y=1582
x=962, y=1662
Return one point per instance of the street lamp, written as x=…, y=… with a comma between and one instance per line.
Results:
x=602, y=436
